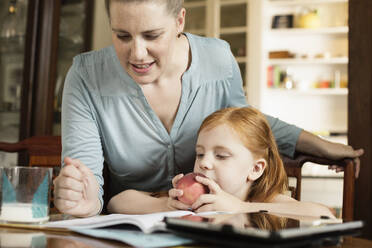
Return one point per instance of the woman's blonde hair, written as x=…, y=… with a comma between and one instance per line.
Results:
x=255, y=133
x=174, y=6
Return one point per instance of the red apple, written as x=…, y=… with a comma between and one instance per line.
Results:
x=191, y=188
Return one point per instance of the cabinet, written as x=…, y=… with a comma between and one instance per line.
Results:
x=49, y=34
x=212, y=18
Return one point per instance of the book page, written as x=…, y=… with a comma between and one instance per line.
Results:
x=146, y=222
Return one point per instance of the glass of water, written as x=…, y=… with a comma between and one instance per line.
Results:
x=25, y=194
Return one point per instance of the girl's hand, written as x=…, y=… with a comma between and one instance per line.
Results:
x=173, y=203
x=76, y=190
x=217, y=199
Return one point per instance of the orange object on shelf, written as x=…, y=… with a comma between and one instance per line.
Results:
x=270, y=82
x=280, y=55
x=324, y=84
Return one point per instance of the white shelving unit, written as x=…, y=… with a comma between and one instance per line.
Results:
x=321, y=55
x=319, y=58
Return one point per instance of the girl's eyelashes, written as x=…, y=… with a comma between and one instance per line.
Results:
x=222, y=156
x=217, y=155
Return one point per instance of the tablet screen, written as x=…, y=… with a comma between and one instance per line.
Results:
x=260, y=227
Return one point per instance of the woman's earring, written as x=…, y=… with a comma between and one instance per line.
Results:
x=179, y=35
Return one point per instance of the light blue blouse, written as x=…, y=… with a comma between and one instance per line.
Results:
x=105, y=116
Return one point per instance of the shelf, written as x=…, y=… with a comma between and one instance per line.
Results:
x=304, y=2
x=233, y=30
x=331, y=91
x=301, y=31
x=232, y=2
x=197, y=4
x=320, y=61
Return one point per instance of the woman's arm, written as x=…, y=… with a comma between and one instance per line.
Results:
x=288, y=206
x=314, y=145
x=137, y=202
x=81, y=150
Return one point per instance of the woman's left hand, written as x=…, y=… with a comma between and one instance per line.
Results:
x=314, y=145
x=338, y=151
x=216, y=200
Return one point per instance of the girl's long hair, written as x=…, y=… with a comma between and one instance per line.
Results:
x=255, y=133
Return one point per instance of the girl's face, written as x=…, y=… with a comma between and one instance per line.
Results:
x=144, y=35
x=221, y=156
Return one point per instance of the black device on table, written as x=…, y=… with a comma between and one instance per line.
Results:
x=262, y=230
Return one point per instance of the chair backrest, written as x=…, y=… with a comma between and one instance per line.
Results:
x=41, y=150
x=46, y=151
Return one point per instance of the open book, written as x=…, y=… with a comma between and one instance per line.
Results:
x=148, y=223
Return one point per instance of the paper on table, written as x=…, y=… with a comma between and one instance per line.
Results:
x=146, y=222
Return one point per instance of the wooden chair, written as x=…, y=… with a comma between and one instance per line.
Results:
x=293, y=168
x=46, y=151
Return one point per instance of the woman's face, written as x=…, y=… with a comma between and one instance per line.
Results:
x=144, y=35
x=221, y=156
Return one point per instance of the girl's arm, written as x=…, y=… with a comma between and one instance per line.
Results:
x=286, y=205
x=219, y=200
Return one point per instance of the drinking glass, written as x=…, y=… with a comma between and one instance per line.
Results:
x=25, y=194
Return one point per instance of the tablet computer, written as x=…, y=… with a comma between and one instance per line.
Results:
x=262, y=229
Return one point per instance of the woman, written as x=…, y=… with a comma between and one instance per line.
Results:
x=138, y=106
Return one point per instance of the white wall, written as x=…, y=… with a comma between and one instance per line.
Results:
x=101, y=27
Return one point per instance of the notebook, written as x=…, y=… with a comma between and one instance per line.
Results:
x=262, y=229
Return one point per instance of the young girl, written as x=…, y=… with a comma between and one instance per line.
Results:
x=237, y=153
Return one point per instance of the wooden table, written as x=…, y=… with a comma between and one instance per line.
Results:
x=12, y=237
